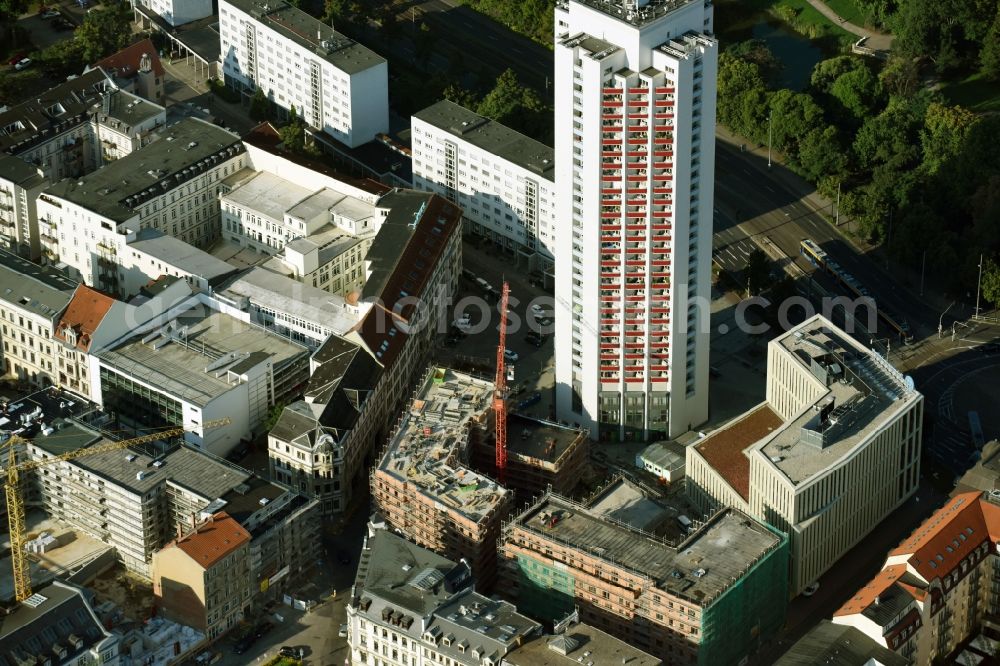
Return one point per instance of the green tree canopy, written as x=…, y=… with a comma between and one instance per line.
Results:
x=990, y=285
x=858, y=91
x=946, y=129
x=742, y=97
x=820, y=154
x=793, y=116
x=104, y=31
x=827, y=71
x=989, y=57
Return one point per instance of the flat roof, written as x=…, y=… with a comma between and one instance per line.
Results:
x=117, y=189
x=177, y=253
x=580, y=644
x=626, y=503
x=647, y=12
x=428, y=448
x=699, y=569
x=292, y=23
x=183, y=466
x=724, y=449
x=30, y=287
x=192, y=365
x=281, y=293
x=865, y=390
x=491, y=136
x=268, y=195
x=533, y=439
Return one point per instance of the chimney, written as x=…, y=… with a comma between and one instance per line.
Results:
x=877, y=600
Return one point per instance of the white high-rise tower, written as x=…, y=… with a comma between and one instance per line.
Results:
x=635, y=86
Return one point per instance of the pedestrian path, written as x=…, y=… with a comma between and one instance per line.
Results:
x=876, y=40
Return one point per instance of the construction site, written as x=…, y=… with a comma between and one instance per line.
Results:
x=442, y=456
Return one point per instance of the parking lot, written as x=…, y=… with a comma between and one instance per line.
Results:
x=533, y=369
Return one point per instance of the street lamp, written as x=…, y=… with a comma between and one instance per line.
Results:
x=979, y=283
x=941, y=319
x=769, y=114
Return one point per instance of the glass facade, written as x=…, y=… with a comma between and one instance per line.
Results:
x=138, y=404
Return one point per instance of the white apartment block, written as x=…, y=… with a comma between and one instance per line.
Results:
x=32, y=298
x=635, y=151
x=833, y=450
x=335, y=84
x=78, y=126
x=20, y=184
x=178, y=12
x=171, y=185
x=503, y=180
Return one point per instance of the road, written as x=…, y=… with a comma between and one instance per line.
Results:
x=756, y=201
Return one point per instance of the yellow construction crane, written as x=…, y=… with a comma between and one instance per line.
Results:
x=15, y=501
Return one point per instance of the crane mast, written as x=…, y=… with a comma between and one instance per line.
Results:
x=500, y=389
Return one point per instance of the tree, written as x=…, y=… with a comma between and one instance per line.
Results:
x=990, y=285
x=945, y=131
x=293, y=135
x=858, y=91
x=827, y=71
x=794, y=116
x=260, y=106
x=60, y=59
x=10, y=10
x=890, y=138
x=820, y=154
x=757, y=52
x=900, y=76
x=336, y=11
x=273, y=415
x=742, y=97
x=989, y=57
x=104, y=31
x=757, y=273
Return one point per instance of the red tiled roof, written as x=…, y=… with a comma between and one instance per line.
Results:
x=213, y=540
x=126, y=61
x=723, y=449
x=865, y=597
x=84, y=314
x=946, y=538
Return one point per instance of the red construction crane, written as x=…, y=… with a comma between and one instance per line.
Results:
x=500, y=391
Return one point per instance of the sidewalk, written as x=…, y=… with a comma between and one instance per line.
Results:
x=908, y=279
x=876, y=40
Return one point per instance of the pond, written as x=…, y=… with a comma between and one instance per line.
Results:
x=797, y=54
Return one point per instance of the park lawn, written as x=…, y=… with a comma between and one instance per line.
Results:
x=974, y=93
x=813, y=24
x=847, y=9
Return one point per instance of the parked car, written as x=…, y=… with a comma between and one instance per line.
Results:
x=262, y=629
x=537, y=309
x=510, y=355
x=18, y=58
x=289, y=651
x=343, y=631
x=535, y=338
x=50, y=13
x=244, y=644
x=24, y=63
x=62, y=23
x=810, y=589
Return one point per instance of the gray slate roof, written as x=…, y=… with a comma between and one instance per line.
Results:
x=838, y=645
x=34, y=288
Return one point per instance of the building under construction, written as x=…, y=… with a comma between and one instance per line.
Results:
x=435, y=482
x=540, y=454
